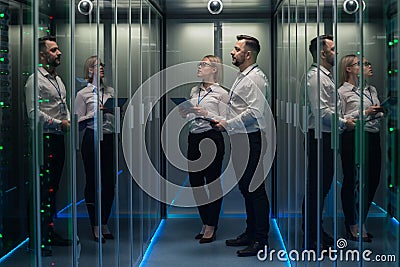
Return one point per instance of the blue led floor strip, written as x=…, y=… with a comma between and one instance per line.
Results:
x=276, y=227
x=13, y=250
x=153, y=241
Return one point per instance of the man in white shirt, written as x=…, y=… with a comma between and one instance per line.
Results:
x=54, y=116
x=245, y=124
x=321, y=96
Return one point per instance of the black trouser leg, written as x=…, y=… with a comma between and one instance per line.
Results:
x=209, y=213
x=348, y=192
x=373, y=170
x=107, y=175
x=257, y=204
x=313, y=193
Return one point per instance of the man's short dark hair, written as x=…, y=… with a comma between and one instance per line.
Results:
x=42, y=42
x=313, y=44
x=251, y=42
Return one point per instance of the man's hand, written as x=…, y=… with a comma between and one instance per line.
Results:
x=65, y=125
x=350, y=124
x=220, y=126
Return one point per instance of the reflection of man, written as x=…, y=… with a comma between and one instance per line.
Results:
x=54, y=117
x=326, y=110
x=245, y=124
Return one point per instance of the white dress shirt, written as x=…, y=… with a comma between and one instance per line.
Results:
x=248, y=97
x=51, y=104
x=326, y=99
x=350, y=98
x=213, y=99
x=86, y=106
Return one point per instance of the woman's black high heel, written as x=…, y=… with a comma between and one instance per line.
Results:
x=96, y=239
x=199, y=236
x=204, y=240
x=351, y=237
x=209, y=239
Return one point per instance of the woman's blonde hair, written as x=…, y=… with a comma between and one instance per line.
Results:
x=346, y=61
x=216, y=63
x=90, y=63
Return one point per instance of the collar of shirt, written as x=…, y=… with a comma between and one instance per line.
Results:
x=248, y=69
x=94, y=87
x=45, y=73
x=202, y=88
x=324, y=70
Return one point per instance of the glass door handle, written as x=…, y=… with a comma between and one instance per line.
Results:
x=117, y=112
x=76, y=131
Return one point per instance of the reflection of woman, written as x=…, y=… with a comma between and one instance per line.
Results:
x=209, y=100
x=86, y=108
x=350, y=96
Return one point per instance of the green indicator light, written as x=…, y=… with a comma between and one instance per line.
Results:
x=2, y=15
x=40, y=101
x=1, y=103
x=42, y=211
x=41, y=175
x=358, y=52
x=1, y=236
x=40, y=65
x=42, y=246
x=49, y=240
x=48, y=205
x=391, y=129
x=1, y=147
x=48, y=171
x=396, y=41
x=47, y=100
x=2, y=59
x=390, y=43
x=41, y=28
x=390, y=186
x=396, y=70
x=47, y=136
x=390, y=72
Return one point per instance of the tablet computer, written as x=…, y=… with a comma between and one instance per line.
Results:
x=211, y=121
x=110, y=103
x=181, y=102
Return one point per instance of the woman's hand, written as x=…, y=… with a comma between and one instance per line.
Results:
x=199, y=111
x=184, y=112
x=373, y=110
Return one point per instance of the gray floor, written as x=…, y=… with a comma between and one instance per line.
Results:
x=174, y=244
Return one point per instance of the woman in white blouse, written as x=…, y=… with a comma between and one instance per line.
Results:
x=350, y=96
x=86, y=108
x=209, y=102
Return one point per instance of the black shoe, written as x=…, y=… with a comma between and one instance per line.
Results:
x=241, y=240
x=108, y=236
x=327, y=239
x=57, y=240
x=199, y=236
x=208, y=239
x=351, y=237
x=253, y=249
x=96, y=239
